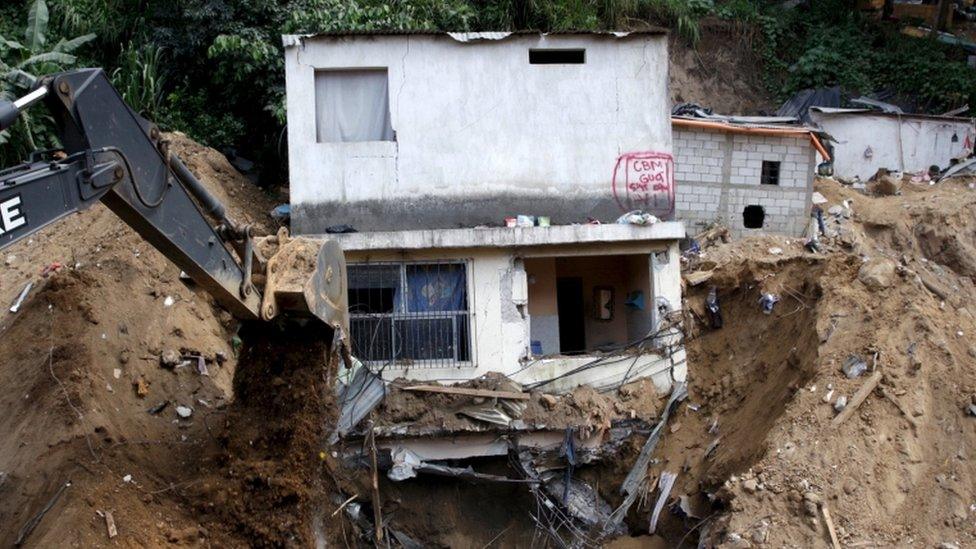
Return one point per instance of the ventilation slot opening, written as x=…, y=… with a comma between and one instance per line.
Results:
x=557, y=57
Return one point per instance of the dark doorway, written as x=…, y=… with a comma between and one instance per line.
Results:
x=569, y=306
x=753, y=217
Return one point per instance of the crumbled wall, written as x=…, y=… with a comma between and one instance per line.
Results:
x=717, y=174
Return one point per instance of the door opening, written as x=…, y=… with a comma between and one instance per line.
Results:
x=569, y=305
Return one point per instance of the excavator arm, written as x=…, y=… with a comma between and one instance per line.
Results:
x=112, y=155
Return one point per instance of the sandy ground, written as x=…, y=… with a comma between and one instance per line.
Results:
x=755, y=447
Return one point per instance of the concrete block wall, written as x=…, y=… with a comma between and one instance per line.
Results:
x=717, y=174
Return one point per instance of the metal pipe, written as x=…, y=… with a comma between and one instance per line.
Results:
x=210, y=204
x=9, y=110
x=31, y=98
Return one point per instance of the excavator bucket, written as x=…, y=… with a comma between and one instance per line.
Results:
x=305, y=276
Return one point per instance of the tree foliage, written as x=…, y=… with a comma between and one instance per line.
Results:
x=21, y=62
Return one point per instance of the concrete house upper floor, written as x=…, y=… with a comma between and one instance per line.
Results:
x=400, y=131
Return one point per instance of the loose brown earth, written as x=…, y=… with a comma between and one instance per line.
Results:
x=251, y=465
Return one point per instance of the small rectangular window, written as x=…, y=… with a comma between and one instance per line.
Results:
x=557, y=57
x=770, y=173
x=410, y=314
x=352, y=105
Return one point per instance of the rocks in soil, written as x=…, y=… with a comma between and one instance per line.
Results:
x=877, y=274
x=169, y=359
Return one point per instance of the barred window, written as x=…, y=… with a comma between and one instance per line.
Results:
x=410, y=314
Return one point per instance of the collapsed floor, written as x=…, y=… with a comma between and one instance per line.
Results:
x=95, y=425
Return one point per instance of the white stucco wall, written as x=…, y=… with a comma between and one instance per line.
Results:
x=480, y=132
x=867, y=142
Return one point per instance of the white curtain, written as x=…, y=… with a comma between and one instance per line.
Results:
x=352, y=105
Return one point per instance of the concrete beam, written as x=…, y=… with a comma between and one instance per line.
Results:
x=506, y=237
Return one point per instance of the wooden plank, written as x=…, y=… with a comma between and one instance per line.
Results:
x=830, y=527
x=901, y=408
x=110, y=525
x=377, y=504
x=487, y=393
x=858, y=398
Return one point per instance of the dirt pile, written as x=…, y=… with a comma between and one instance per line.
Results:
x=81, y=372
x=893, y=292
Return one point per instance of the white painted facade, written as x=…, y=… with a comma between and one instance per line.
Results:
x=866, y=141
x=718, y=174
x=499, y=295
x=481, y=133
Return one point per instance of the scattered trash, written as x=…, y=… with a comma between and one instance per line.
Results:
x=684, y=503
x=711, y=305
x=117, y=373
x=169, y=301
x=170, y=359
x=357, y=398
x=854, y=366
x=20, y=298
x=127, y=478
x=110, y=525
x=767, y=301
x=858, y=398
x=775, y=250
x=158, y=408
x=698, y=277
x=818, y=198
x=712, y=446
x=141, y=387
x=199, y=360
x=281, y=212
x=32, y=523
x=665, y=484
x=184, y=412
x=841, y=403
x=52, y=268
x=828, y=395
x=637, y=217
x=635, y=477
x=971, y=410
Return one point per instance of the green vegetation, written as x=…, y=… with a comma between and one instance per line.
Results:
x=214, y=68
x=20, y=63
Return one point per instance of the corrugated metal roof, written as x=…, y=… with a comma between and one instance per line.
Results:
x=872, y=112
x=295, y=39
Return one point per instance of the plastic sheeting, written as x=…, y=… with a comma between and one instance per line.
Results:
x=799, y=105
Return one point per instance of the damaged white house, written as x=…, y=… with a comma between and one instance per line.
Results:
x=865, y=141
x=425, y=143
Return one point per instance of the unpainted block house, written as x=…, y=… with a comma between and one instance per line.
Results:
x=749, y=177
x=426, y=142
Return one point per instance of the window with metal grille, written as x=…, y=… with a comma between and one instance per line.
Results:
x=770, y=173
x=410, y=314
